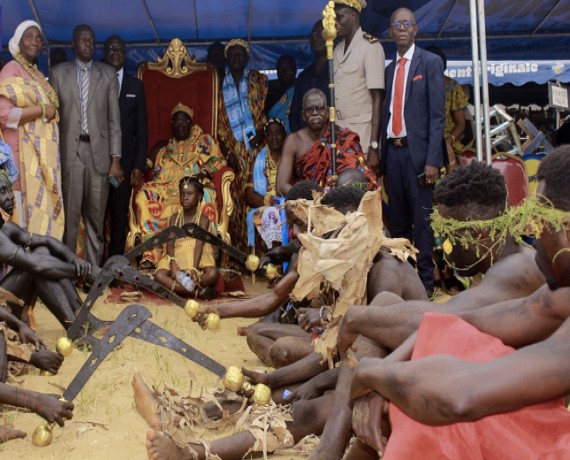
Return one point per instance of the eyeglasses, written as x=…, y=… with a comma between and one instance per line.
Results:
x=315, y=108
x=398, y=24
x=115, y=49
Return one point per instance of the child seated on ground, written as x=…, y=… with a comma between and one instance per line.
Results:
x=189, y=268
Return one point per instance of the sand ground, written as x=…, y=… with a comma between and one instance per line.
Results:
x=106, y=424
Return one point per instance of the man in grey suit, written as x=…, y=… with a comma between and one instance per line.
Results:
x=90, y=142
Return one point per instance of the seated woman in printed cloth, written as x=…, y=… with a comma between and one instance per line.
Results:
x=189, y=268
x=190, y=152
x=261, y=193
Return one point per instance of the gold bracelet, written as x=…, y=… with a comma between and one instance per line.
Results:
x=44, y=112
x=174, y=284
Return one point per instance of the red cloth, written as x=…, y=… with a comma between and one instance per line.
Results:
x=399, y=96
x=316, y=163
x=537, y=432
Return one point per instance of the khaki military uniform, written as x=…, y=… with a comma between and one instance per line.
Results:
x=356, y=72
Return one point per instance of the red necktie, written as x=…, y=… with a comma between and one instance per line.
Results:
x=398, y=97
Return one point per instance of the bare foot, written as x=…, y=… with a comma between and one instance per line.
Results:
x=46, y=360
x=160, y=447
x=256, y=377
x=146, y=402
x=7, y=434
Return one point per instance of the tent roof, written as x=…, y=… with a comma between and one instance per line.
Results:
x=533, y=29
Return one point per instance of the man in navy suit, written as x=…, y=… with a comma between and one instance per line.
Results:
x=413, y=122
x=134, y=143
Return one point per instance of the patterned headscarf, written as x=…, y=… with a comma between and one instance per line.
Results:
x=14, y=43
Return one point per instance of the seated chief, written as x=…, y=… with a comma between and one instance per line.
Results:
x=190, y=152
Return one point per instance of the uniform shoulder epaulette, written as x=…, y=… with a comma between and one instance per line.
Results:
x=370, y=38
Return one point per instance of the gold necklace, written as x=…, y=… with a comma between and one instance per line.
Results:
x=271, y=164
x=38, y=77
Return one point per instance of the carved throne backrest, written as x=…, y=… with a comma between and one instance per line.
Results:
x=178, y=77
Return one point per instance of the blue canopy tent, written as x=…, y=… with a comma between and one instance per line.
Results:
x=530, y=30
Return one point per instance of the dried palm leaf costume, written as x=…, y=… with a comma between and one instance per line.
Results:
x=341, y=262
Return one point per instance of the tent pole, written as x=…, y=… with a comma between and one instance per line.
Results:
x=249, y=21
x=476, y=82
x=484, y=79
x=151, y=21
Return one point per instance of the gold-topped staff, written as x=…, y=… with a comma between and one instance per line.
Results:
x=329, y=34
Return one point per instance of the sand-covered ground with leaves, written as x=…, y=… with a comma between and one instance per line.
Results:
x=106, y=424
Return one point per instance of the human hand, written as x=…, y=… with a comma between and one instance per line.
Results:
x=431, y=173
x=203, y=311
x=54, y=410
x=136, y=176
x=51, y=112
x=46, y=360
x=274, y=256
x=28, y=336
x=116, y=170
x=373, y=160
x=369, y=421
x=308, y=318
x=257, y=139
x=174, y=268
x=346, y=334
x=82, y=267
x=256, y=377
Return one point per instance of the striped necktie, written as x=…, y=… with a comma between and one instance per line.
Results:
x=85, y=73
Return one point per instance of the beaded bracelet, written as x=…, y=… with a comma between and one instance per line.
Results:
x=322, y=316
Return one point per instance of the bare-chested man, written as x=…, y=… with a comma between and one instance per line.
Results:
x=14, y=246
x=307, y=152
x=484, y=380
x=476, y=192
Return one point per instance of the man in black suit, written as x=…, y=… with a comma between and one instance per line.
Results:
x=413, y=121
x=134, y=134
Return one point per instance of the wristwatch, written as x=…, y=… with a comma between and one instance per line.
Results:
x=374, y=145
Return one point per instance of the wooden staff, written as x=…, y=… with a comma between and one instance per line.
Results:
x=329, y=34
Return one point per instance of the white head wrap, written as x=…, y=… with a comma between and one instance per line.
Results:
x=14, y=43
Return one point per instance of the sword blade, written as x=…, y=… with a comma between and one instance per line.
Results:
x=102, y=280
x=124, y=272
x=164, y=236
x=127, y=321
x=195, y=231
x=150, y=332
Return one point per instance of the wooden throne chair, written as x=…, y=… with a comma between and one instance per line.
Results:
x=177, y=77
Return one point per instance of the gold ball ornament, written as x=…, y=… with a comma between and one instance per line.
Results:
x=191, y=308
x=213, y=322
x=46, y=374
x=64, y=346
x=271, y=272
x=233, y=380
x=42, y=435
x=252, y=262
x=447, y=247
x=261, y=394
